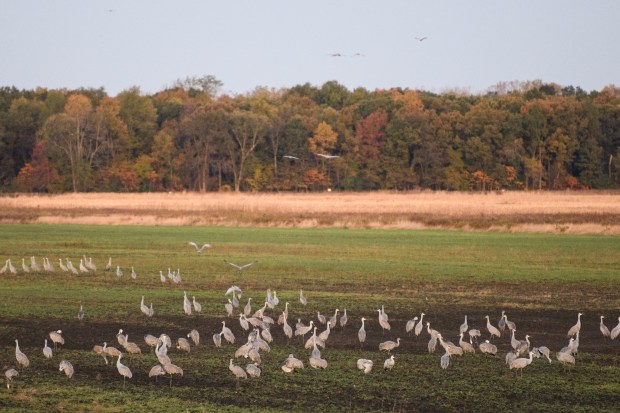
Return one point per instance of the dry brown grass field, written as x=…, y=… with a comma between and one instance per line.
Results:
x=570, y=212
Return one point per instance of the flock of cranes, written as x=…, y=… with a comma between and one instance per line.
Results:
x=258, y=325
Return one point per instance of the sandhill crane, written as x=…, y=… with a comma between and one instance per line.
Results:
x=47, y=265
x=325, y=334
x=464, y=327
x=365, y=365
x=165, y=339
x=493, y=331
x=604, y=330
x=253, y=370
x=575, y=329
x=217, y=339
x=474, y=334
x=47, y=351
x=523, y=346
x=288, y=330
x=121, y=338
x=80, y=313
x=201, y=248
x=144, y=308
x=542, y=350
x=510, y=357
x=151, y=311
x=432, y=344
x=318, y=363
x=240, y=267
x=247, y=310
x=284, y=315
x=90, y=264
x=162, y=277
x=110, y=351
x=501, y=323
x=187, y=306
x=521, y=363
x=266, y=334
x=514, y=343
x=229, y=308
x=444, y=361
x=565, y=357
x=238, y=372
x=10, y=374
x=134, y=275
x=183, y=344
x=228, y=334
x=25, y=267
x=575, y=346
x=389, y=363
x=321, y=318
x=314, y=340
x=303, y=330
x=451, y=348
x=82, y=267
x=151, y=340
x=5, y=267
x=70, y=267
x=67, y=367
x=385, y=325
x=302, y=298
x=509, y=324
x=122, y=369
x=361, y=334
x=131, y=347
x=157, y=370
x=99, y=350
x=259, y=313
x=243, y=322
x=195, y=336
x=56, y=338
x=108, y=266
x=432, y=332
x=119, y=272
x=197, y=305
x=333, y=319
x=172, y=369
x=12, y=269
x=291, y=363
x=344, y=319
x=418, y=328
x=488, y=348
x=389, y=345
x=33, y=265
x=411, y=324
x=467, y=347
x=615, y=331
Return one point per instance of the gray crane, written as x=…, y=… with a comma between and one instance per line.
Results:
x=47, y=351
x=575, y=329
x=604, y=330
x=10, y=374
x=365, y=365
x=67, y=367
x=493, y=331
x=21, y=358
x=122, y=369
x=361, y=334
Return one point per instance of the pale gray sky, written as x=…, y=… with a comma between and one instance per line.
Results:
x=471, y=45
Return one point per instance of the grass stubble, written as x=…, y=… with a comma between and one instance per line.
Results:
x=541, y=280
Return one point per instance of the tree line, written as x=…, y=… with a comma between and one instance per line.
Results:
x=518, y=135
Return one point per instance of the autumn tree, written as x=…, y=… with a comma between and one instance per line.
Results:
x=246, y=130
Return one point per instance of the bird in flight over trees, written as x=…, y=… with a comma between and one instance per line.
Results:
x=199, y=249
x=322, y=155
x=240, y=267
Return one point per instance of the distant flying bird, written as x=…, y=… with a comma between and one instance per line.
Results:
x=359, y=55
x=322, y=155
x=335, y=54
x=240, y=267
x=421, y=39
x=291, y=157
x=199, y=249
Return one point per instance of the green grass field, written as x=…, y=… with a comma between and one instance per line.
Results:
x=541, y=281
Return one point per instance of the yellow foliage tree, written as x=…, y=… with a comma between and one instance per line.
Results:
x=324, y=138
